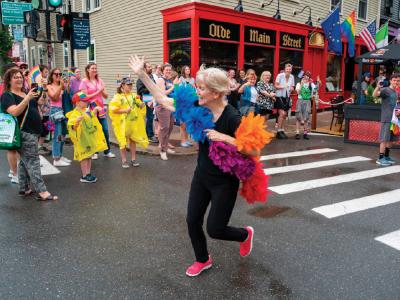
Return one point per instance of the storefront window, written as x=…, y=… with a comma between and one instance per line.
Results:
x=295, y=58
x=259, y=58
x=221, y=55
x=179, y=54
x=179, y=29
x=334, y=71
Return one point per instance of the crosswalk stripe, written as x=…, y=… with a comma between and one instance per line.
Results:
x=359, y=204
x=314, y=165
x=391, y=239
x=47, y=168
x=297, y=153
x=316, y=183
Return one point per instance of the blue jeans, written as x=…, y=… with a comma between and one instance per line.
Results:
x=104, y=125
x=58, y=137
x=149, y=121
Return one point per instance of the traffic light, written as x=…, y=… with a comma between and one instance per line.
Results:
x=55, y=3
x=63, y=23
x=32, y=21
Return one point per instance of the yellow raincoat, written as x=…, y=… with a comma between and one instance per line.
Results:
x=129, y=126
x=88, y=138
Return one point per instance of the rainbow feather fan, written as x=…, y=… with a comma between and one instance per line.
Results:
x=184, y=100
x=251, y=134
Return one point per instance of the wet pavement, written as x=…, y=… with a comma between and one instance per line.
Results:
x=125, y=237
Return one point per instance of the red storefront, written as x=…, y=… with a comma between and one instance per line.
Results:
x=197, y=33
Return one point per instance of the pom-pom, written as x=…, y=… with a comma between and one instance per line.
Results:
x=251, y=133
x=255, y=188
x=230, y=161
x=184, y=98
x=197, y=120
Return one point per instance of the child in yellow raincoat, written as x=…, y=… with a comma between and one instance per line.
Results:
x=128, y=113
x=86, y=133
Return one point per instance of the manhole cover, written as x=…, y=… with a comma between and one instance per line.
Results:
x=268, y=211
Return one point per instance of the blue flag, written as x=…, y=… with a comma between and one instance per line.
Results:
x=331, y=27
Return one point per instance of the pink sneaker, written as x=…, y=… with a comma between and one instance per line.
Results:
x=199, y=267
x=247, y=245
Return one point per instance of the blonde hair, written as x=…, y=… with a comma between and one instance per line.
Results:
x=216, y=80
x=265, y=73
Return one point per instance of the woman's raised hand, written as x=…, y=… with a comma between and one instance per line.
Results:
x=136, y=64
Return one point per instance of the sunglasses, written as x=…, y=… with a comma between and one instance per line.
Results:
x=57, y=74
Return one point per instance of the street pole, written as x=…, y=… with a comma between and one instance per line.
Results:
x=70, y=41
x=48, y=35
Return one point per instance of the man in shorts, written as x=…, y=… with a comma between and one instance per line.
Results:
x=284, y=85
x=389, y=99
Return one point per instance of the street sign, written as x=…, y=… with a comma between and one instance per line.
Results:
x=13, y=12
x=80, y=32
x=18, y=34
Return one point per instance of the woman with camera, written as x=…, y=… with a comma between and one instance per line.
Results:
x=25, y=108
x=55, y=89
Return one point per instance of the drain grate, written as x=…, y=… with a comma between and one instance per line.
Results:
x=268, y=211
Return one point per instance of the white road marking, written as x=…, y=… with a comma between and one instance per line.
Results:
x=314, y=165
x=297, y=153
x=316, y=183
x=47, y=168
x=359, y=204
x=391, y=239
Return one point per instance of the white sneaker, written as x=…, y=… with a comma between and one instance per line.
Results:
x=14, y=179
x=60, y=163
x=95, y=156
x=170, y=151
x=10, y=174
x=163, y=155
x=66, y=159
x=109, y=155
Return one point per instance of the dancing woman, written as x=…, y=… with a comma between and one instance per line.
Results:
x=209, y=183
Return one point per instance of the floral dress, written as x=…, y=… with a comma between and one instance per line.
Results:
x=264, y=102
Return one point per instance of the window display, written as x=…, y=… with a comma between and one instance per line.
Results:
x=221, y=55
x=333, y=73
x=179, y=54
x=259, y=58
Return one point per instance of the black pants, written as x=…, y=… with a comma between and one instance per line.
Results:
x=221, y=192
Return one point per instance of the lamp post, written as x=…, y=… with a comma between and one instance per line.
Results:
x=309, y=21
x=239, y=6
x=277, y=15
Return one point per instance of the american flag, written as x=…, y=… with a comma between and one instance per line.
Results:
x=368, y=35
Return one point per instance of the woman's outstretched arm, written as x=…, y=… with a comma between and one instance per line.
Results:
x=136, y=64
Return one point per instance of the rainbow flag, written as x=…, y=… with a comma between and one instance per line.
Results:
x=71, y=73
x=348, y=28
x=33, y=75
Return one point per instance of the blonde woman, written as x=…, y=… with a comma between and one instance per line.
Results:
x=209, y=184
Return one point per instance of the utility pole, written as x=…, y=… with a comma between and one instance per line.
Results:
x=70, y=41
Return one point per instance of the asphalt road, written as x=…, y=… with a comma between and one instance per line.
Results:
x=125, y=237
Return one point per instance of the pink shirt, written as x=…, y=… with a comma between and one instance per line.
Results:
x=1, y=88
x=55, y=102
x=91, y=88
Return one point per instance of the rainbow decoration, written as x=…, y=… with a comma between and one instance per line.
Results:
x=71, y=73
x=79, y=96
x=348, y=28
x=33, y=75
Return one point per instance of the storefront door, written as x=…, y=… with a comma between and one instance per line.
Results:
x=317, y=63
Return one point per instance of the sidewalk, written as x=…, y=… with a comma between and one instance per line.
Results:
x=323, y=121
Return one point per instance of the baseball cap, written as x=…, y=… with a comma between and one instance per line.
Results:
x=126, y=80
x=79, y=96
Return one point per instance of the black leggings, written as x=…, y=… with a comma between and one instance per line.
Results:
x=222, y=192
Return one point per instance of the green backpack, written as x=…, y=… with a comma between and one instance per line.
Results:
x=10, y=132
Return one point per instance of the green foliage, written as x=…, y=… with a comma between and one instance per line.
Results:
x=5, y=45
